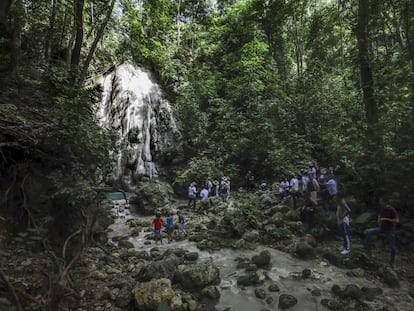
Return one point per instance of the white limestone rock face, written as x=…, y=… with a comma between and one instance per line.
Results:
x=148, y=138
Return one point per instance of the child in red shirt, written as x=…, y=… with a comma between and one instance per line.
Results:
x=158, y=222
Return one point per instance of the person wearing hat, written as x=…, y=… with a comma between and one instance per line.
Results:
x=224, y=189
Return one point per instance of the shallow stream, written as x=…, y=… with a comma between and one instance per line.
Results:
x=285, y=272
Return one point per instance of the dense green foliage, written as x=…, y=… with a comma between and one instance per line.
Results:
x=268, y=86
x=273, y=86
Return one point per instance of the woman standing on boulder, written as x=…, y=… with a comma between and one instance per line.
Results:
x=342, y=216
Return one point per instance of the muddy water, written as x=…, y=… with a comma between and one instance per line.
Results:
x=285, y=272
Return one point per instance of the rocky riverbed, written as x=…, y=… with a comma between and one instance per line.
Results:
x=236, y=256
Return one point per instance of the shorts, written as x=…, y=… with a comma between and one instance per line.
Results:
x=181, y=228
x=169, y=229
x=158, y=232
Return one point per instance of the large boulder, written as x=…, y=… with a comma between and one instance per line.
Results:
x=160, y=269
x=287, y=301
x=262, y=260
x=149, y=295
x=196, y=276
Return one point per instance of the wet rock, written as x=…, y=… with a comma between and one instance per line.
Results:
x=251, y=236
x=286, y=301
x=160, y=269
x=273, y=288
x=196, y=275
x=270, y=300
x=371, y=293
x=260, y=293
x=304, y=250
x=362, y=306
x=241, y=243
x=210, y=292
x=248, y=280
x=316, y=292
x=336, y=290
x=193, y=256
x=123, y=297
x=149, y=295
x=357, y=272
x=332, y=304
x=306, y=273
x=390, y=277
x=176, y=303
x=262, y=260
x=352, y=291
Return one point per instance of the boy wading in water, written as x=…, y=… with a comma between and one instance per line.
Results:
x=170, y=226
x=158, y=221
x=342, y=216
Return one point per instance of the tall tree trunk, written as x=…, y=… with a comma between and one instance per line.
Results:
x=374, y=150
x=367, y=81
x=17, y=39
x=50, y=31
x=95, y=42
x=75, y=60
x=409, y=29
x=4, y=11
x=178, y=23
x=79, y=4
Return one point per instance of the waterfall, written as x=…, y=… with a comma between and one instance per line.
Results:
x=147, y=135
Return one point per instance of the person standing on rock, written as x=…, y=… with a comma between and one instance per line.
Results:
x=387, y=222
x=192, y=195
x=170, y=227
x=181, y=224
x=342, y=216
x=204, y=201
x=158, y=222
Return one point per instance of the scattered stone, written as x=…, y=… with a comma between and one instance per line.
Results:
x=316, y=292
x=286, y=301
x=260, y=293
x=150, y=294
x=262, y=260
x=196, y=275
x=273, y=288
x=193, y=256
x=306, y=273
x=210, y=292
x=331, y=304
x=270, y=300
x=371, y=293
x=390, y=277
x=352, y=291
x=247, y=280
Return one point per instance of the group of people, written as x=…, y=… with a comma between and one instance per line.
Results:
x=314, y=185
x=320, y=185
x=208, y=190
x=159, y=224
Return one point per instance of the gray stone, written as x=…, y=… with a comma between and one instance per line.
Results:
x=262, y=260
x=247, y=280
x=273, y=288
x=196, y=275
x=150, y=294
x=260, y=293
x=210, y=292
x=286, y=301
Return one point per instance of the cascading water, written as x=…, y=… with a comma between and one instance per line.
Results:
x=147, y=134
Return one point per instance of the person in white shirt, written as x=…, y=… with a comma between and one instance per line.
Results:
x=192, y=195
x=294, y=184
x=204, y=202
